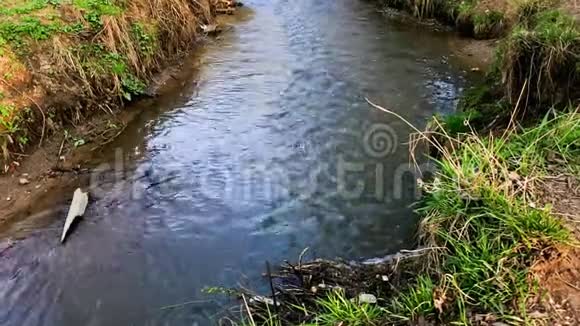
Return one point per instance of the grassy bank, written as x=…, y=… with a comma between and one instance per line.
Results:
x=483, y=210
x=486, y=225
x=479, y=19
x=64, y=60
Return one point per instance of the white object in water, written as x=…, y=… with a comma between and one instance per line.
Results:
x=77, y=208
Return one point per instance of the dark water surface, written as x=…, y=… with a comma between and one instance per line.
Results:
x=269, y=148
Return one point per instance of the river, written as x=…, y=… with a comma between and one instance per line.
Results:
x=267, y=147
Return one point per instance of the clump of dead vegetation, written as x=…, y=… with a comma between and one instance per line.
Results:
x=327, y=292
x=62, y=60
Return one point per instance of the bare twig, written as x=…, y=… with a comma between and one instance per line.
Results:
x=111, y=139
x=249, y=311
x=568, y=283
x=509, y=128
x=302, y=256
x=61, y=147
x=272, y=287
x=179, y=305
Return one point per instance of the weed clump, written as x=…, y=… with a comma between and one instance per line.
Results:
x=488, y=24
x=480, y=108
x=478, y=210
x=535, y=69
x=336, y=308
x=481, y=210
x=539, y=61
x=476, y=22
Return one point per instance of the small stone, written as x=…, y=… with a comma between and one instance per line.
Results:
x=475, y=69
x=23, y=181
x=385, y=278
x=37, y=187
x=24, y=175
x=8, y=199
x=367, y=298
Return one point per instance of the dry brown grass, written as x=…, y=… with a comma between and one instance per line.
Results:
x=70, y=74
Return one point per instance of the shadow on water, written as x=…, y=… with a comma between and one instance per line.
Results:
x=269, y=147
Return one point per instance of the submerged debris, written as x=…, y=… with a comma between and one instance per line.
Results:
x=77, y=208
x=296, y=288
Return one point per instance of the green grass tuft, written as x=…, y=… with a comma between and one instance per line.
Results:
x=415, y=301
x=488, y=24
x=94, y=10
x=477, y=209
x=555, y=140
x=27, y=7
x=336, y=308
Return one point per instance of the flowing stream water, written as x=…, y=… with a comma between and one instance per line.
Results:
x=267, y=147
